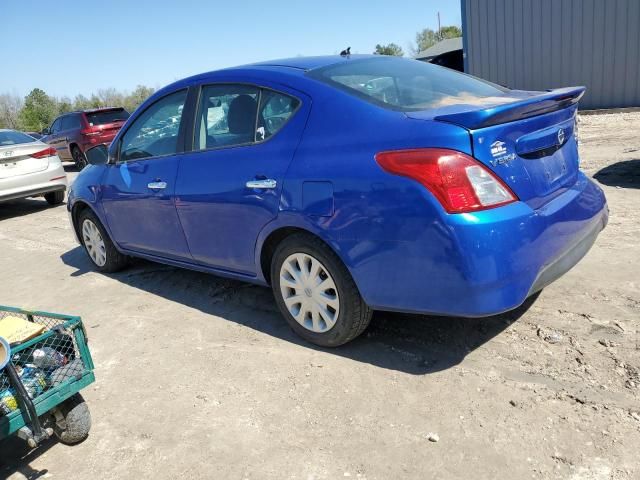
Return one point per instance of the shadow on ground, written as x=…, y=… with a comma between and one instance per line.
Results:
x=25, y=206
x=415, y=344
x=624, y=174
x=15, y=457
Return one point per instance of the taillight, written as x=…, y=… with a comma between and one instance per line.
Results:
x=47, y=152
x=459, y=182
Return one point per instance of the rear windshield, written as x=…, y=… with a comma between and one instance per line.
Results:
x=407, y=85
x=11, y=137
x=108, y=116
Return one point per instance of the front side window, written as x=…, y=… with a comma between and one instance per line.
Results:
x=155, y=132
x=55, y=128
x=407, y=85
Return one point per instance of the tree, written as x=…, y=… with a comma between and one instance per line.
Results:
x=110, y=97
x=135, y=98
x=428, y=38
x=390, y=49
x=450, y=31
x=80, y=102
x=10, y=106
x=64, y=105
x=39, y=110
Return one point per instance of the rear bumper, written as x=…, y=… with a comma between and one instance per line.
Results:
x=52, y=179
x=489, y=262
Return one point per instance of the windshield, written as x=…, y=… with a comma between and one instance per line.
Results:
x=107, y=116
x=403, y=84
x=11, y=137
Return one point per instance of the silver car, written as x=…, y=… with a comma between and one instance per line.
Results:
x=29, y=168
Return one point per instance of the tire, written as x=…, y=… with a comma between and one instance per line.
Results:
x=113, y=260
x=78, y=158
x=54, y=198
x=75, y=414
x=345, y=314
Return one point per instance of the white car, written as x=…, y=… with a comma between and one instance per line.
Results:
x=29, y=168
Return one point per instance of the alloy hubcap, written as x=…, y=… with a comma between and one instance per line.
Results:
x=94, y=243
x=309, y=292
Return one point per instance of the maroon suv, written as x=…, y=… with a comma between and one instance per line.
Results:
x=74, y=133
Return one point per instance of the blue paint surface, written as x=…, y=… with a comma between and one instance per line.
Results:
x=403, y=250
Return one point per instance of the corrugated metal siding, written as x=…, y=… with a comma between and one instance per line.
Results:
x=541, y=44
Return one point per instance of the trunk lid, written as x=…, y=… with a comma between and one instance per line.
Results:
x=527, y=139
x=16, y=160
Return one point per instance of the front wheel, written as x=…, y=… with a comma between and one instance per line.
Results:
x=98, y=245
x=315, y=292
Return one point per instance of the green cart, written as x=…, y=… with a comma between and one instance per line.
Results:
x=40, y=384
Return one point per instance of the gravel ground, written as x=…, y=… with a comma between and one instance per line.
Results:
x=199, y=377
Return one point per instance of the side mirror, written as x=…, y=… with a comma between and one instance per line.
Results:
x=46, y=131
x=98, y=155
x=5, y=353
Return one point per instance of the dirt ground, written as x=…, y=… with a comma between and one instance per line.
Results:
x=199, y=377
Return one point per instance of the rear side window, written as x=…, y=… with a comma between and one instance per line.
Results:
x=11, y=137
x=231, y=115
x=227, y=115
x=275, y=109
x=407, y=85
x=155, y=132
x=108, y=116
x=70, y=122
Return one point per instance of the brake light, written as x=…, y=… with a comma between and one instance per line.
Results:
x=48, y=152
x=459, y=182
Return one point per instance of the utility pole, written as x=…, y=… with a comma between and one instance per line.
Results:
x=439, y=29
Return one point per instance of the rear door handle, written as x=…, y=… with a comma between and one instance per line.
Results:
x=266, y=184
x=157, y=185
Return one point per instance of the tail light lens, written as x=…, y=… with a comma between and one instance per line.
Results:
x=47, y=152
x=459, y=182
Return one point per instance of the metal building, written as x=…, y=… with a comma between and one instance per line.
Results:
x=541, y=44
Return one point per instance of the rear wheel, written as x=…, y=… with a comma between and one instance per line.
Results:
x=98, y=245
x=78, y=158
x=54, y=198
x=315, y=292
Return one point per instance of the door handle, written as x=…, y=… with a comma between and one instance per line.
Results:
x=157, y=185
x=267, y=183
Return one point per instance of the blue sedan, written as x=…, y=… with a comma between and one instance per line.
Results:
x=348, y=184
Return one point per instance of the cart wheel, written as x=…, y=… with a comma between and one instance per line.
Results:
x=72, y=420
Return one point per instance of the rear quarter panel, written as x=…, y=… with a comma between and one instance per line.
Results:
x=380, y=223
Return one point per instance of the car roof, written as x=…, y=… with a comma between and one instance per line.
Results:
x=90, y=110
x=307, y=63
x=289, y=66
x=278, y=70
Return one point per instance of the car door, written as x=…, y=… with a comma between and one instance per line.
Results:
x=138, y=188
x=66, y=131
x=228, y=187
x=53, y=138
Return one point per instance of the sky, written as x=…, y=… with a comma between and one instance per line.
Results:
x=68, y=47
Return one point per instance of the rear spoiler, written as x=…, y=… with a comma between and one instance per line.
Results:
x=549, y=101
